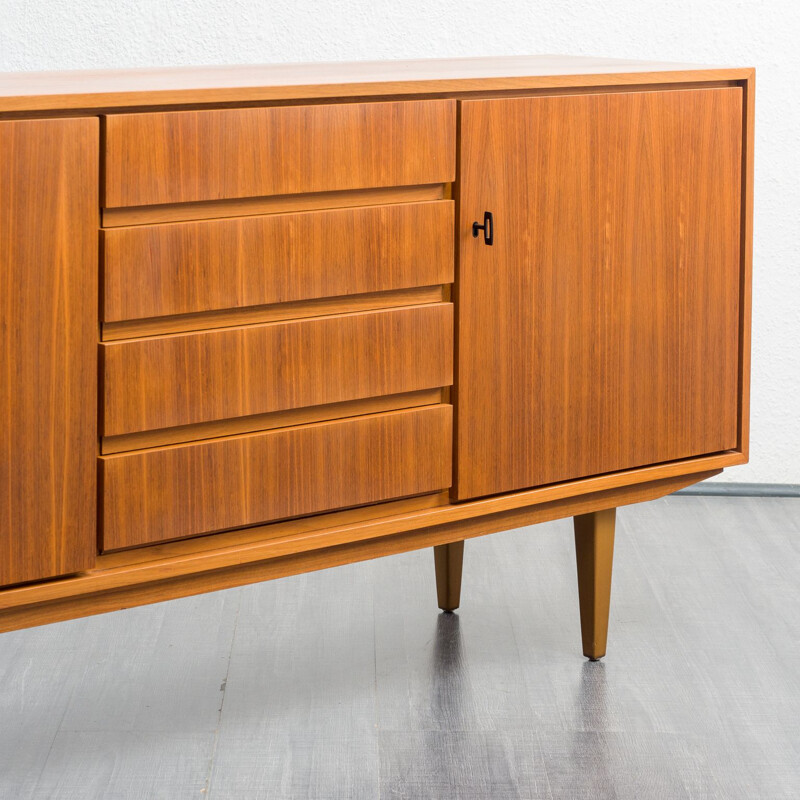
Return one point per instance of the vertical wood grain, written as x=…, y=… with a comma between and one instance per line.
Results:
x=601, y=330
x=48, y=324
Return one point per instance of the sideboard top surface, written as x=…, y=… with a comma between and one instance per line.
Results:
x=131, y=88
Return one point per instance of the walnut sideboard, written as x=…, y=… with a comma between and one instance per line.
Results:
x=258, y=321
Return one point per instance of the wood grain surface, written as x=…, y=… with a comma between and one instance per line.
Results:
x=188, y=378
x=183, y=490
x=159, y=270
x=271, y=82
x=601, y=330
x=184, y=156
x=48, y=334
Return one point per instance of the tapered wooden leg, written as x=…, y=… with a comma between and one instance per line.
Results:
x=449, y=559
x=594, y=548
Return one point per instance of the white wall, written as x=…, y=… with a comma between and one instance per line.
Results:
x=76, y=34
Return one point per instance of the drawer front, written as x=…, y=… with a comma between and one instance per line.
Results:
x=159, y=270
x=186, y=156
x=173, y=492
x=198, y=377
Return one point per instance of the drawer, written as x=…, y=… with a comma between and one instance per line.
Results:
x=178, y=491
x=180, y=268
x=188, y=378
x=187, y=156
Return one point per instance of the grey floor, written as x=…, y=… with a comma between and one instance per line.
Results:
x=348, y=683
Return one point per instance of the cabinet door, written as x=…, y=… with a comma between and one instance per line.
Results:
x=49, y=216
x=599, y=331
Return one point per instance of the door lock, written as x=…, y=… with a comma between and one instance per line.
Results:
x=487, y=228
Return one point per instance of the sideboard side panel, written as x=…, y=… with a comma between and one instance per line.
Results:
x=746, y=288
x=49, y=210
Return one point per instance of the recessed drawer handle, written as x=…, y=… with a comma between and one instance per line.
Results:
x=487, y=228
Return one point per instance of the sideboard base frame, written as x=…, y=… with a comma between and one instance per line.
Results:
x=120, y=583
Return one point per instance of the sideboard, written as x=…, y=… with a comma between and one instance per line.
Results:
x=258, y=321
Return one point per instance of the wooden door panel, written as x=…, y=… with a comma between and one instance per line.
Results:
x=49, y=215
x=600, y=331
